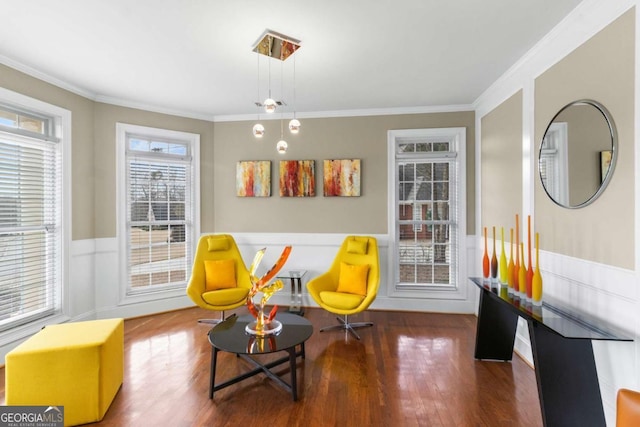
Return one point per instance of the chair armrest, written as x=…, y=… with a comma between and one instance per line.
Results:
x=324, y=282
x=196, y=287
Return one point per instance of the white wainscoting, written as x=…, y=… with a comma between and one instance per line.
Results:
x=311, y=252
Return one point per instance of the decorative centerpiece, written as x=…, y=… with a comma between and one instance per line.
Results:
x=265, y=325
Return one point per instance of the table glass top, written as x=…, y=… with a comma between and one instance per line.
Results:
x=230, y=335
x=565, y=321
x=292, y=274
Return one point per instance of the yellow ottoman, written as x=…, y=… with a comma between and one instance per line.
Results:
x=76, y=365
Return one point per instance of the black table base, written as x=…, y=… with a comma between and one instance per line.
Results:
x=260, y=368
x=565, y=368
x=567, y=379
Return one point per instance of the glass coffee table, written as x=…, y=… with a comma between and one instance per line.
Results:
x=230, y=336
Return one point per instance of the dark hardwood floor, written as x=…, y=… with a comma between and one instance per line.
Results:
x=409, y=369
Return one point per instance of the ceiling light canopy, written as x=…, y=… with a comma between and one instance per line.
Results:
x=276, y=46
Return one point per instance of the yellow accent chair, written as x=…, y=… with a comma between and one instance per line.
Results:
x=78, y=365
x=219, y=279
x=628, y=408
x=351, y=284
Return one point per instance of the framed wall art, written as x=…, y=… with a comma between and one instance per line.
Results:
x=253, y=178
x=341, y=178
x=297, y=178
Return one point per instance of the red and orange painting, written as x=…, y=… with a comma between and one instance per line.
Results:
x=342, y=178
x=297, y=178
x=253, y=178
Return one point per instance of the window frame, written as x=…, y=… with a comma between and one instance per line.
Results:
x=59, y=132
x=457, y=139
x=123, y=132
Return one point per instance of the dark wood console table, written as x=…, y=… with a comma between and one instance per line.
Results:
x=565, y=368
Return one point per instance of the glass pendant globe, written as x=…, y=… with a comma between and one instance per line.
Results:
x=282, y=146
x=258, y=130
x=269, y=105
x=294, y=126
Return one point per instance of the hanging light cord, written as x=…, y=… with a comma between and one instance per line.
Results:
x=269, y=60
x=258, y=86
x=294, y=85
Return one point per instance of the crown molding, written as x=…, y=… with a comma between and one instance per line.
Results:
x=152, y=108
x=26, y=69
x=347, y=113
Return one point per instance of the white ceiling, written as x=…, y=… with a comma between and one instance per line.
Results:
x=194, y=57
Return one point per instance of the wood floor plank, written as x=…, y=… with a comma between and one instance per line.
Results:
x=409, y=369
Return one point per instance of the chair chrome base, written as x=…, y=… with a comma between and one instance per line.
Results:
x=346, y=325
x=212, y=321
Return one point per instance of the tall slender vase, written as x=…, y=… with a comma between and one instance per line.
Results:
x=503, y=260
x=494, y=259
x=522, y=274
x=530, y=264
x=516, y=268
x=485, y=258
x=537, y=277
x=511, y=265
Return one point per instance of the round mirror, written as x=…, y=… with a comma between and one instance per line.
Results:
x=578, y=154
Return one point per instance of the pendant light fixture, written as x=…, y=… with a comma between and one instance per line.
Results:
x=280, y=47
x=258, y=128
x=282, y=145
x=294, y=124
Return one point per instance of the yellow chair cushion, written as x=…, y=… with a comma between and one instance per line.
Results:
x=353, y=278
x=357, y=246
x=341, y=300
x=77, y=365
x=220, y=274
x=225, y=297
x=218, y=243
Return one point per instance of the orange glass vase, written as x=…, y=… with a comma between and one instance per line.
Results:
x=510, y=266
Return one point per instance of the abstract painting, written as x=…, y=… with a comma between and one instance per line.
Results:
x=342, y=178
x=297, y=178
x=253, y=178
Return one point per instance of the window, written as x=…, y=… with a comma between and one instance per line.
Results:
x=159, y=217
x=32, y=200
x=554, y=162
x=427, y=215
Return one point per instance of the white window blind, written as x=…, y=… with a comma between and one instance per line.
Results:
x=160, y=213
x=30, y=220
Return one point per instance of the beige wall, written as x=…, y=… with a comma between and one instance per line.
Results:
x=106, y=117
x=601, y=69
x=330, y=138
x=82, y=142
x=501, y=173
